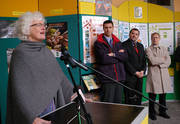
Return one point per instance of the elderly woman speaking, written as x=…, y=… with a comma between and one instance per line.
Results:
x=36, y=83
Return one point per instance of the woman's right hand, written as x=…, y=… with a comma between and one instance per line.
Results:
x=41, y=121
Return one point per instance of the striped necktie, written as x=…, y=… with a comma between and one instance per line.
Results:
x=135, y=47
x=111, y=42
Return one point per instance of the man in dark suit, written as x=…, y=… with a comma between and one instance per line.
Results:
x=135, y=67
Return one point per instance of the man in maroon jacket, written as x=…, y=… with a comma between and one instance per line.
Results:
x=110, y=58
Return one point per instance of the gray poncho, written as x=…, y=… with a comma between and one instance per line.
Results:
x=35, y=79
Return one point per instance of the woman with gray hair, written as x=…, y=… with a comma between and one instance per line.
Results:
x=36, y=82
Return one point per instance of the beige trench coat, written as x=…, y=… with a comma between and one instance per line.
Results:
x=158, y=79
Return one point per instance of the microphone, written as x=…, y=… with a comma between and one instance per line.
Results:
x=68, y=59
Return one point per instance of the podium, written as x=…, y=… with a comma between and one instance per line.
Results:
x=101, y=113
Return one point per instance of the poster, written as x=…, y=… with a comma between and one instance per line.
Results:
x=104, y=7
x=177, y=30
x=143, y=28
x=56, y=36
x=7, y=29
x=123, y=31
x=9, y=52
x=166, y=32
x=115, y=32
x=92, y=27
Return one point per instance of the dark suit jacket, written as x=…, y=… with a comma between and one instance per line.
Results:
x=177, y=54
x=135, y=62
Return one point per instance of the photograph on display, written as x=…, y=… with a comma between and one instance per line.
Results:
x=177, y=24
x=92, y=27
x=90, y=82
x=123, y=31
x=115, y=32
x=7, y=29
x=143, y=28
x=56, y=36
x=9, y=52
x=166, y=32
x=104, y=7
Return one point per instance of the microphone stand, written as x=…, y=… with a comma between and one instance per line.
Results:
x=120, y=83
x=69, y=60
x=75, y=63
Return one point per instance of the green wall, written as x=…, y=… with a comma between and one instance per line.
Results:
x=5, y=43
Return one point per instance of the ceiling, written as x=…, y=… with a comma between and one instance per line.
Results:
x=116, y=3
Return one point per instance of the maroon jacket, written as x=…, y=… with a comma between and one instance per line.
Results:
x=111, y=66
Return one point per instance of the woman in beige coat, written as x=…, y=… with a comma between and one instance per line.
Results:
x=158, y=80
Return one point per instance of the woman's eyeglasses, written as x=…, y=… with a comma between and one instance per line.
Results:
x=39, y=25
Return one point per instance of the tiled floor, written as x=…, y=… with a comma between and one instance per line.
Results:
x=173, y=111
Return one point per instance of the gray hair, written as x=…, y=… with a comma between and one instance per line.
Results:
x=22, y=25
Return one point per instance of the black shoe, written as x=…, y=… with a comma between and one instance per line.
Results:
x=152, y=116
x=164, y=115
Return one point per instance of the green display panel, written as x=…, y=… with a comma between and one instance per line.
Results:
x=73, y=42
x=5, y=44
